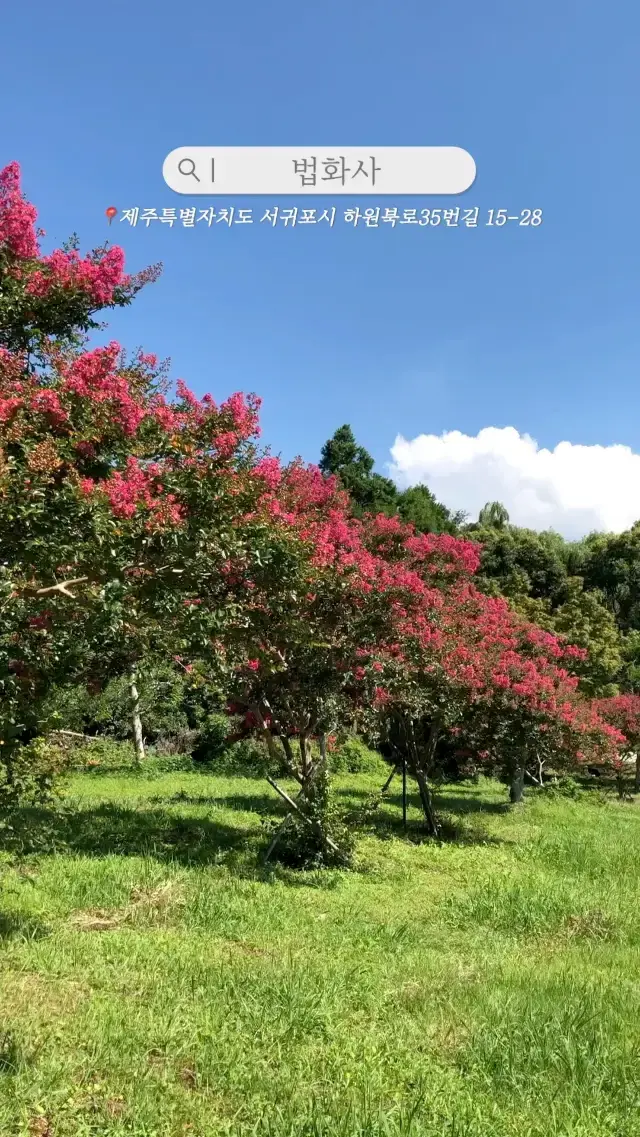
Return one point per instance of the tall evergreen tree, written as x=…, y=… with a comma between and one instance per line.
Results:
x=372, y=493
x=369, y=492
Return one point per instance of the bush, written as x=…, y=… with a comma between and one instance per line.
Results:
x=248, y=757
x=29, y=774
x=212, y=739
x=102, y=755
x=157, y=763
x=179, y=742
x=302, y=846
x=565, y=786
x=111, y=756
x=353, y=756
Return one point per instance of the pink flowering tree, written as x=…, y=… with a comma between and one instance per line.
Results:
x=58, y=294
x=379, y=627
x=446, y=660
x=623, y=713
x=120, y=505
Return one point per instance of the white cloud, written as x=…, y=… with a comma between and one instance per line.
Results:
x=573, y=489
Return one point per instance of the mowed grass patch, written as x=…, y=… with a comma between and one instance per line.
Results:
x=156, y=980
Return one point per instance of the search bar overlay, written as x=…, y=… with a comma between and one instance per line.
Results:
x=290, y=170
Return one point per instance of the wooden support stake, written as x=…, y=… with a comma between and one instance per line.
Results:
x=404, y=791
x=389, y=779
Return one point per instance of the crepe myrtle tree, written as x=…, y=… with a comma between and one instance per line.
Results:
x=124, y=502
x=56, y=295
x=623, y=713
x=120, y=505
x=291, y=688
x=459, y=661
x=383, y=626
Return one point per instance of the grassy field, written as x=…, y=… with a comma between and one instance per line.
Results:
x=154, y=980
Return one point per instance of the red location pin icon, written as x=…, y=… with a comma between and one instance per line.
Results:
x=111, y=212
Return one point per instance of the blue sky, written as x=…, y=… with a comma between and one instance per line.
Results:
x=400, y=330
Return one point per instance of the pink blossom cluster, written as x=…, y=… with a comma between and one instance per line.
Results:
x=94, y=376
x=268, y=470
x=47, y=401
x=97, y=277
x=133, y=488
x=17, y=216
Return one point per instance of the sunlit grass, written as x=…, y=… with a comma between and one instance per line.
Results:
x=156, y=980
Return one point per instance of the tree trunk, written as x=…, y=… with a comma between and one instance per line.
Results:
x=136, y=722
x=636, y=783
x=305, y=795
x=516, y=789
x=304, y=757
x=286, y=746
x=426, y=798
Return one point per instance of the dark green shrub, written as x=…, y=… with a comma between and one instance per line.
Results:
x=303, y=846
x=211, y=742
x=249, y=757
x=353, y=756
x=29, y=774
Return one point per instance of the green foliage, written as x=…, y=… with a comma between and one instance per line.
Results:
x=418, y=506
x=522, y=563
x=373, y=493
x=584, y=620
x=171, y=708
x=630, y=668
x=353, y=756
x=110, y=756
x=28, y=773
x=162, y=708
x=212, y=740
x=369, y=492
x=611, y=563
x=533, y=571
x=103, y=755
x=303, y=844
x=566, y=787
x=247, y=757
x=493, y=516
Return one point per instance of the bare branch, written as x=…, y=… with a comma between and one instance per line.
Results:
x=62, y=586
x=73, y=734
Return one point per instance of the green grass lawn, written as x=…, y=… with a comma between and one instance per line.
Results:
x=155, y=980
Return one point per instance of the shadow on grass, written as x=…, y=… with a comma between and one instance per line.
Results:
x=455, y=803
x=463, y=805
x=456, y=826
x=109, y=828
x=242, y=803
x=452, y=830
x=157, y=829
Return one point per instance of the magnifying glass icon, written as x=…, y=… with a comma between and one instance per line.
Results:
x=188, y=173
